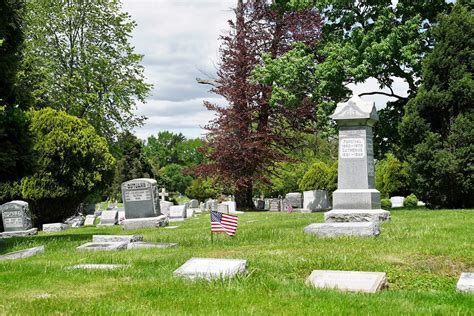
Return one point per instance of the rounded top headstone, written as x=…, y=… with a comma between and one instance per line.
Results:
x=355, y=112
x=152, y=181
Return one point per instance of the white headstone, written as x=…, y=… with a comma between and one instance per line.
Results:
x=316, y=200
x=165, y=207
x=90, y=220
x=397, y=201
x=178, y=211
x=232, y=206
x=210, y=268
x=354, y=281
x=108, y=218
x=55, y=227
x=194, y=203
x=466, y=282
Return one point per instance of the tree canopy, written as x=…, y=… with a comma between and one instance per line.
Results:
x=78, y=59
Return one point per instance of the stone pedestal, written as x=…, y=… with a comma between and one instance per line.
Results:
x=367, y=229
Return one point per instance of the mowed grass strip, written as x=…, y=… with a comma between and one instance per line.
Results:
x=422, y=252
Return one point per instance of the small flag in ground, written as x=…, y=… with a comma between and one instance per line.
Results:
x=223, y=223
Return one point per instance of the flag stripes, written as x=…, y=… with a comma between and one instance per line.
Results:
x=223, y=223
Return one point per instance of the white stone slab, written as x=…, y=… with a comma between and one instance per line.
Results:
x=93, y=266
x=336, y=216
x=232, y=206
x=353, y=281
x=22, y=253
x=223, y=208
x=102, y=246
x=90, y=220
x=147, y=222
x=20, y=233
x=141, y=244
x=54, y=227
x=178, y=211
x=189, y=213
x=466, y=282
x=211, y=268
x=117, y=238
x=397, y=201
x=165, y=207
x=363, y=229
x=171, y=227
x=108, y=218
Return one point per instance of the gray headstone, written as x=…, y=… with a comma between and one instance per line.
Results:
x=90, y=220
x=149, y=222
x=194, y=203
x=275, y=205
x=108, y=218
x=210, y=268
x=260, y=204
x=140, y=198
x=356, y=172
x=16, y=216
x=316, y=200
x=92, y=266
x=397, y=201
x=354, y=281
x=22, y=253
x=295, y=199
x=55, y=227
x=102, y=246
x=140, y=244
x=466, y=282
x=117, y=238
x=190, y=213
x=364, y=229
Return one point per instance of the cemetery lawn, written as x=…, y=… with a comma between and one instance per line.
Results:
x=422, y=252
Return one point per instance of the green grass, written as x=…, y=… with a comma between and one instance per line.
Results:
x=422, y=252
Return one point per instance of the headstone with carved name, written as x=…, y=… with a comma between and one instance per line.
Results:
x=17, y=219
x=275, y=205
x=140, y=198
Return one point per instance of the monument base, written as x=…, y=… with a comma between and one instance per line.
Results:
x=365, y=229
x=20, y=233
x=146, y=222
x=343, y=216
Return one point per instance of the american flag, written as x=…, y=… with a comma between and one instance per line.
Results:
x=223, y=223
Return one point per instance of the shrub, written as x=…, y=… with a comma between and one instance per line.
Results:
x=386, y=204
x=202, y=189
x=410, y=201
x=392, y=176
x=72, y=162
x=316, y=178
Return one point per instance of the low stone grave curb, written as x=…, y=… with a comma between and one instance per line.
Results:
x=102, y=246
x=363, y=229
x=337, y=216
x=147, y=222
x=93, y=266
x=54, y=227
x=117, y=238
x=22, y=253
x=211, y=268
x=352, y=281
x=20, y=233
x=140, y=245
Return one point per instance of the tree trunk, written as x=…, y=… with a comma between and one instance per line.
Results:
x=243, y=198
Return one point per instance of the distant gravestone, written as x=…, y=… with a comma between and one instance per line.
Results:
x=316, y=200
x=223, y=208
x=190, y=212
x=108, y=218
x=165, y=207
x=90, y=220
x=353, y=281
x=397, y=201
x=178, y=212
x=140, y=198
x=210, y=268
x=275, y=205
x=232, y=206
x=466, y=282
x=17, y=219
x=193, y=203
x=295, y=199
x=55, y=227
x=260, y=204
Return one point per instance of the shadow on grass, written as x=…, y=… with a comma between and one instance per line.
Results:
x=9, y=244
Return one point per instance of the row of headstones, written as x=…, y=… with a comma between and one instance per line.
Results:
x=306, y=202
x=213, y=268
x=399, y=201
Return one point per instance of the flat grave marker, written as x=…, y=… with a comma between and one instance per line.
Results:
x=22, y=253
x=211, y=268
x=353, y=281
x=102, y=246
x=466, y=282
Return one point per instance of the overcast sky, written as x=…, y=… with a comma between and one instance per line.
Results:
x=179, y=41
